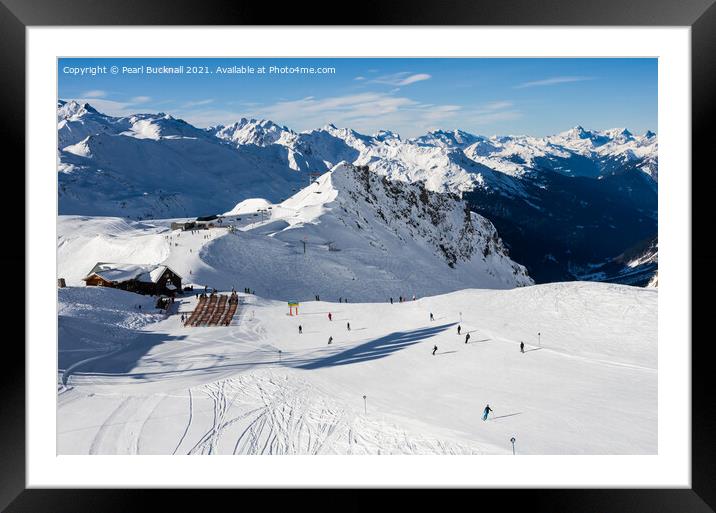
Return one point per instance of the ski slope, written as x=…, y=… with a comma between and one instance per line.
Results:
x=349, y=234
x=156, y=387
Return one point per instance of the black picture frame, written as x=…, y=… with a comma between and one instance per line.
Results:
x=700, y=15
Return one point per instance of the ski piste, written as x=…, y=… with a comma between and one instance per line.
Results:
x=132, y=381
x=306, y=225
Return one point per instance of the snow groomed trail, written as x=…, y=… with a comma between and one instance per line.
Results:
x=586, y=385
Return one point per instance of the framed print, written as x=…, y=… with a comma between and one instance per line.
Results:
x=264, y=252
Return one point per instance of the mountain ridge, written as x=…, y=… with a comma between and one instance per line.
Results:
x=156, y=166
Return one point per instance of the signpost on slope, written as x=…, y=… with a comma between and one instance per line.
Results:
x=539, y=339
x=365, y=404
x=292, y=305
x=513, y=445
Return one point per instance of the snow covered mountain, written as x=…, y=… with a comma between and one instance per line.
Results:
x=350, y=234
x=251, y=131
x=637, y=266
x=92, y=149
x=562, y=202
x=375, y=238
x=154, y=165
x=576, y=152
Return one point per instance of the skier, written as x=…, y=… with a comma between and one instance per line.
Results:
x=348, y=325
x=522, y=347
x=340, y=299
x=458, y=329
x=435, y=348
x=467, y=337
x=330, y=317
x=391, y=300
x=330, y=339
x=431, y=316
x=300, y=329
x=486, y=412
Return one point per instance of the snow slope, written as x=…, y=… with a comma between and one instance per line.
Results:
x=366, y=238
x=84, y=241
x=589, y=387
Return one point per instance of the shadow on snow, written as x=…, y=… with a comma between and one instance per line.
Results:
x=375, y=349
x=86, y=347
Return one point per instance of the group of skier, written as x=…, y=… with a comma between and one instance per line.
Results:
x=330, y=318
x=486, y=411
x=402, y=299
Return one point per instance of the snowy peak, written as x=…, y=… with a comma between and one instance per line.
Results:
x=387, y=215
x=347, y=134
x=386, y=136
x=262, y=132
x=76, y=121
x=73, y=109
x=578, y=132
x=161, y=126
x=447, y=139
x=620, y=134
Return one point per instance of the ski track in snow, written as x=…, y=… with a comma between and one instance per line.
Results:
x=168, y=389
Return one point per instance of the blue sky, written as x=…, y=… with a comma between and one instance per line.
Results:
x=408, y=96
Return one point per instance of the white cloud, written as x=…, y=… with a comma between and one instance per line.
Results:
x=359, y=78
x=498, y=105
x=401, y=79
x=197, y=103
x=365, y=112
x=95, y=93
x=110, y=107
x=551, y=81
x=120, y=108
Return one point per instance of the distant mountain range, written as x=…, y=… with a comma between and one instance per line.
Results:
x=563, y=204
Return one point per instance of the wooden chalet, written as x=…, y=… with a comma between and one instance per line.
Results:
x=143, y=279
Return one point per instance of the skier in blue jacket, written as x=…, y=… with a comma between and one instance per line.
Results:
x=486, y=412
